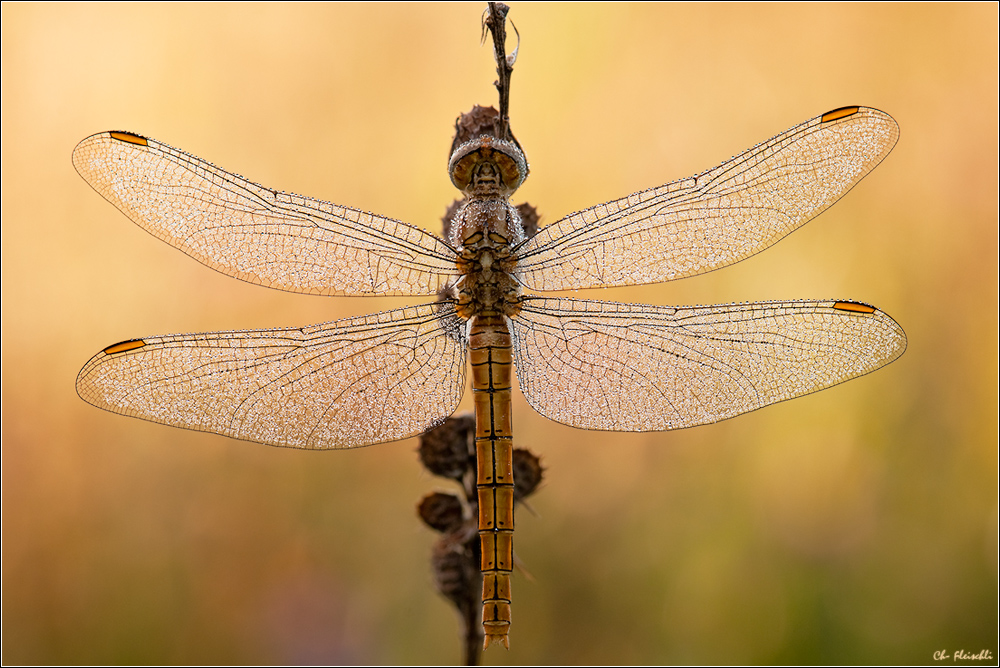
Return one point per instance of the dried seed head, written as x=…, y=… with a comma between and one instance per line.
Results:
x=447, y=450
x=529, y=219
x=528, y=473
x=456, y=573
x=441, y=512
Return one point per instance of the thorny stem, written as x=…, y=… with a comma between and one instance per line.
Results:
x=495, y=21
x=449, y=450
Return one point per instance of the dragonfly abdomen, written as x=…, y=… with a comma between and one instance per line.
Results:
x=490, y=360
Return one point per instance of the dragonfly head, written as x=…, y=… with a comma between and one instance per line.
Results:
x=487, y=166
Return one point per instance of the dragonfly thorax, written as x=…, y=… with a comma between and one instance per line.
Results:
x=487, y=285
x=487, y=170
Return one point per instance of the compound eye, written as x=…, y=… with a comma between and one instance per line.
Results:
x=463, y=169
x=511, y=172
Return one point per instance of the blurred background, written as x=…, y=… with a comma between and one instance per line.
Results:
x=855, y=525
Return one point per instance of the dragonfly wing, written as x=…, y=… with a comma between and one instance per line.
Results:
x=341, y=384
x=633, y=367
x=708, y=221
x=257, y=234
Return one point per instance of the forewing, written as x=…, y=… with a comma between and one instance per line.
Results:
x=256, y=234
x=632, y=367
x=341, y=384
x=722, y=216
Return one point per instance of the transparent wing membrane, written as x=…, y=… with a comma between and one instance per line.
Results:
x=631, y=367
x=722, y=216
x=342, y=384
x=589, y=364
x=256, y=234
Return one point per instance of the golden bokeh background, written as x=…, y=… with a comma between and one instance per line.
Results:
x=856, y=525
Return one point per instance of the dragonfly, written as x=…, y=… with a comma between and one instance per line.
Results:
x=588, y=364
